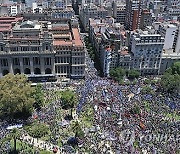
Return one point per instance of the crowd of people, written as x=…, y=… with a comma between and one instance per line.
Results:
x=125, y=118
x=153, y=118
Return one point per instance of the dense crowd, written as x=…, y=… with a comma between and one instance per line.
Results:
x=155, y=125
x=125, y=119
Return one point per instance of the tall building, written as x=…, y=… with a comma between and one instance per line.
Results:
x=168, y=31
x=91, y=11
x=171, y=52
x=173, y=8
x=119, y=12
x=133, y=14
x=146, y=19
x=108, y=39
x=147, y=52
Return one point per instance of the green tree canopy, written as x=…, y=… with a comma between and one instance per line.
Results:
x=117, y=74
x=16, y=96
x=76, y=128
x=170, y=81
x=68, y=99
x=132, y=74
x=176, y=68
x=146, y=90
x=38, y=96
x=136, y=109
x=37, y=130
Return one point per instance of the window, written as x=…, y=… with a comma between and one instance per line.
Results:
x=26, y=61
x=4, y=62
x=16, y=61
x=47, y=61
x=24, y=48
x=1, y=48
x=36, y=60
x=14, y=49
x=34, y=48
x=47, y=48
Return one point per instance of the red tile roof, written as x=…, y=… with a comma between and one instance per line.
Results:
x=77, y=39
x=61, y=43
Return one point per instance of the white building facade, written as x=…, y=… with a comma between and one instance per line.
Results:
x=147, y=52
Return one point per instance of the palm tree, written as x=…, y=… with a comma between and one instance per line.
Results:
x=75, y=128
x=14, y=135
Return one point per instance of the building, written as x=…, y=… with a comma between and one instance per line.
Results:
x=91, y=11
x=119, y=12
x=10, y=8
x=43, y=51
x=111, y=44
x=172, y=53
x=173, y=8
x=6, y=24
x=147, y=52
x=108, y=40
x=133, y=14
x=168, y=31
x=96, y=28
x=146, y=19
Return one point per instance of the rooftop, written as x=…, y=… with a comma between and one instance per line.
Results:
x=76, y=39
x=27, y=25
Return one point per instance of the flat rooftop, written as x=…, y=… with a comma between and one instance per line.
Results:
x=75, y=41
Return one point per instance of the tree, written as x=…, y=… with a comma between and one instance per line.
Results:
x=170, y=83
x=76, y=128
x=133, y=74
x=16, y=96
x=176, y=68
x=38, y=96
x=146, y=90
x=37, y=130
x=117, y=74
x=68, y=100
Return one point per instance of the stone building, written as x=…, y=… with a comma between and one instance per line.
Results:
x=42, y=49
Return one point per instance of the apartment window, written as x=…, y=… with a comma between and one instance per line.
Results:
x=16, y=61
x=26, y=61
x=4, y=62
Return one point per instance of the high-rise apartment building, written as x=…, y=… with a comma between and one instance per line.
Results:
x=146, y=19
x=91, y=11
x=119, y=12
x=133, y=14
